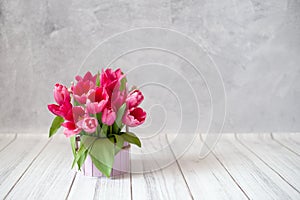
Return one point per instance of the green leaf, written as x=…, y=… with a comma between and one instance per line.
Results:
x=101, y=167
x=119, y=143
x=110, y=131
x=56, y=123
x=86, y=144
x=76, y=103
x=115, y=128
x=80, y=152
x=103, y=150
x=98, y=79
x=97, y=131
x=103, y=131
x=87, y=141
x=99, y=118
x=73, y=145
x=82, y=159
x=123, y=84
x=131, y=138
x=120, y=114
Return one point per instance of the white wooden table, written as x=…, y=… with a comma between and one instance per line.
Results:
x=242, y=166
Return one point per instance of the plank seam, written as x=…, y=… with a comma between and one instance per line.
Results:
x=69, y=191
x=226, y=170
x=27, y=168
x=15, y=137
x=231, y=176
x=130, y=177
x=288, y=148
x=185, y=181
x=266, y=164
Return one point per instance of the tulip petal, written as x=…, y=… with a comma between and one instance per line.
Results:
x=108, y=116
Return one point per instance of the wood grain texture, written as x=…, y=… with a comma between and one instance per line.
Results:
x=257, y=179
x=83, y=187
x=50, y=175
x=290, y=140
x=206, y=178
x=6, y=139
x=254, y=166
x=17, y=157
x=276, y=156
x=158, y=175
x=100, y=188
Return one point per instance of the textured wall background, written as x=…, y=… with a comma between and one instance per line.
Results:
x=255, y=44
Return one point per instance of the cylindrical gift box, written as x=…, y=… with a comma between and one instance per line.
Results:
x=120, y=166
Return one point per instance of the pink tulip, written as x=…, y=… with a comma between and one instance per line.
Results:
x=109, y=79
x=78, y=113
x=97, y=100
x=61, y=94
x=64, y=107
x=118, y=99
x=108, y=116
x=82, y=90
x=134, y=117
x=87, y=77
x=64, y=110
x=88, y=124
x=70, y=129
x=134, y=98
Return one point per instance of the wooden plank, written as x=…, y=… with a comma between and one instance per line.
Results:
x=290, y=140
x=6, y=139
x=16, y=158
x=256, y=179
x=276, y=156
x=155, y=173
x=50, y=175
x=100, y=188
x=206, y=177
x=261, y=167
x=83, y=187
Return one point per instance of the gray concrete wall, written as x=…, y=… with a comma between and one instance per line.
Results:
x=254, y=44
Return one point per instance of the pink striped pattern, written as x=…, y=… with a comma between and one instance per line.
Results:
x=121, y=165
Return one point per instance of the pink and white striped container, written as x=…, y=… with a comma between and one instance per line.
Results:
x=121, y=164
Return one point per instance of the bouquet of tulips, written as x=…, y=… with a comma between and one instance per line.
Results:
x=95, y=110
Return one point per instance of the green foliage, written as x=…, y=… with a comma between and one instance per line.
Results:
x=103, y=145
x=56, y=124
x=85, y=146
x=98, y=79
x=82, y=159
x=87, y=141
x=106, y=170
x=119, y=143
x=131, y=138
x=118, y=123
x=103, y=131
x=75, y=103
x=80, y=153
x=73, y=144
x=99, y=118
x=102, y=153
x=123, y=84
